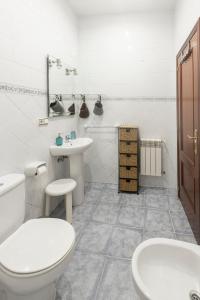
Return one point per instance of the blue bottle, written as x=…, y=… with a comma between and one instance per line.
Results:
x=73, y=135
x=59, y=140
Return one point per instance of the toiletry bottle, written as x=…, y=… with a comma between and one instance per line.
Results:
x=59, y=140
x=73, y=135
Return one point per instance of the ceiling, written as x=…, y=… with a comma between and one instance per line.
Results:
x=97, y=7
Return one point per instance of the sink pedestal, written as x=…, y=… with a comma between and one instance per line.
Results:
x=76, y=172
x=74, y=150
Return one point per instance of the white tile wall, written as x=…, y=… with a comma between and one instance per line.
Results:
x=29, y=30
x=186, y=15
x=130, y=56
x=122, y=56
x=101, y=160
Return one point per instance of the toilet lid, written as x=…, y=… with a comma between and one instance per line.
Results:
x=36, y=245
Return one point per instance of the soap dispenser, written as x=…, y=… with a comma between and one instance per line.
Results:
x=59, y=140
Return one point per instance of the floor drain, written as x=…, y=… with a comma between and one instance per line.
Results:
x=194, y=295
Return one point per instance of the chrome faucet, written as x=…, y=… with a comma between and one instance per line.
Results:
x=67, y=138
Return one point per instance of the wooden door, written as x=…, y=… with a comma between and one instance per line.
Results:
x=188, y=129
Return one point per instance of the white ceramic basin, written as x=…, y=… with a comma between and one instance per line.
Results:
x=76, y=146
x=166, y=269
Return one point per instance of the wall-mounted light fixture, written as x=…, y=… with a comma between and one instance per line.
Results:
x=56, y=61
x=69, y=71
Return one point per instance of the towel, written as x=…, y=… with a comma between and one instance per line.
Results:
x=57, y=106
x=71, y=109
x=84, y=111
x=98, y=107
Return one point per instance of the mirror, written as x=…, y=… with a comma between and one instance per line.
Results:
x=61, y=87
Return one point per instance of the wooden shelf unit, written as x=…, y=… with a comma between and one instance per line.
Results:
x=128, y=145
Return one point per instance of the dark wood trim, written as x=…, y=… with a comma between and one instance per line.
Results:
x=197, y=25
x=179, y=62
x=178, y=127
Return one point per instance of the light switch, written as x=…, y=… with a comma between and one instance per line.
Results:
x=43, y=121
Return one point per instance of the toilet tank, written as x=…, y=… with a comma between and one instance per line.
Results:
x=12, y=203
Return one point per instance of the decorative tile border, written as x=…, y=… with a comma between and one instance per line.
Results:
x=106, y=98
x=141, y=99
x=94, y=97
x=17, y=89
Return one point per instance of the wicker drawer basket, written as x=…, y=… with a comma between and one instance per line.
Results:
x=128, y=160
x=128, y=185
x=128, y=147
x=128, y=172
x=128, y=134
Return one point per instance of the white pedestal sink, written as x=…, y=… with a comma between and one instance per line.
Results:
x=74, y=149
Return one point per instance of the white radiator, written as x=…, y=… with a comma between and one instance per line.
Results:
x=151, y=157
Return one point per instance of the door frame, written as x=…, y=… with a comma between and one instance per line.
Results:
x=195, y=29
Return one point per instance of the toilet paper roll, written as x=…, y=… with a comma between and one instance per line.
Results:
x=41, y=170
x=32, y=169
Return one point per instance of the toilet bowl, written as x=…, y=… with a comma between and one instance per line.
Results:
x=166, y=269
x=33, y=255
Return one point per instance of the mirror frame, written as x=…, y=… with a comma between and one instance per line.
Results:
x=66, y=114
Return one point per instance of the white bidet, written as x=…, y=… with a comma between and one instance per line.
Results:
x=165, y=269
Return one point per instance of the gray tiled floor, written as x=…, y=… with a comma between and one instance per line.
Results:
x=95, y=238
x=109, y=226
x=106, y=213
x=157, y=220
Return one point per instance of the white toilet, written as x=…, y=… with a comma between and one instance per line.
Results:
x=34, y=254
x=166, y=269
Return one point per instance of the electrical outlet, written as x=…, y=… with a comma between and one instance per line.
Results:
x=43, y=121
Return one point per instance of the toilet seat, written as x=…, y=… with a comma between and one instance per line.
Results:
x=37, y=245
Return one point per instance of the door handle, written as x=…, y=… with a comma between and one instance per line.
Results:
x=191, y=137
x=195, y=139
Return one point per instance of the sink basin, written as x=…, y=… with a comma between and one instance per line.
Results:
x=166, y=269
x=74, y=149
x=76, y=146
